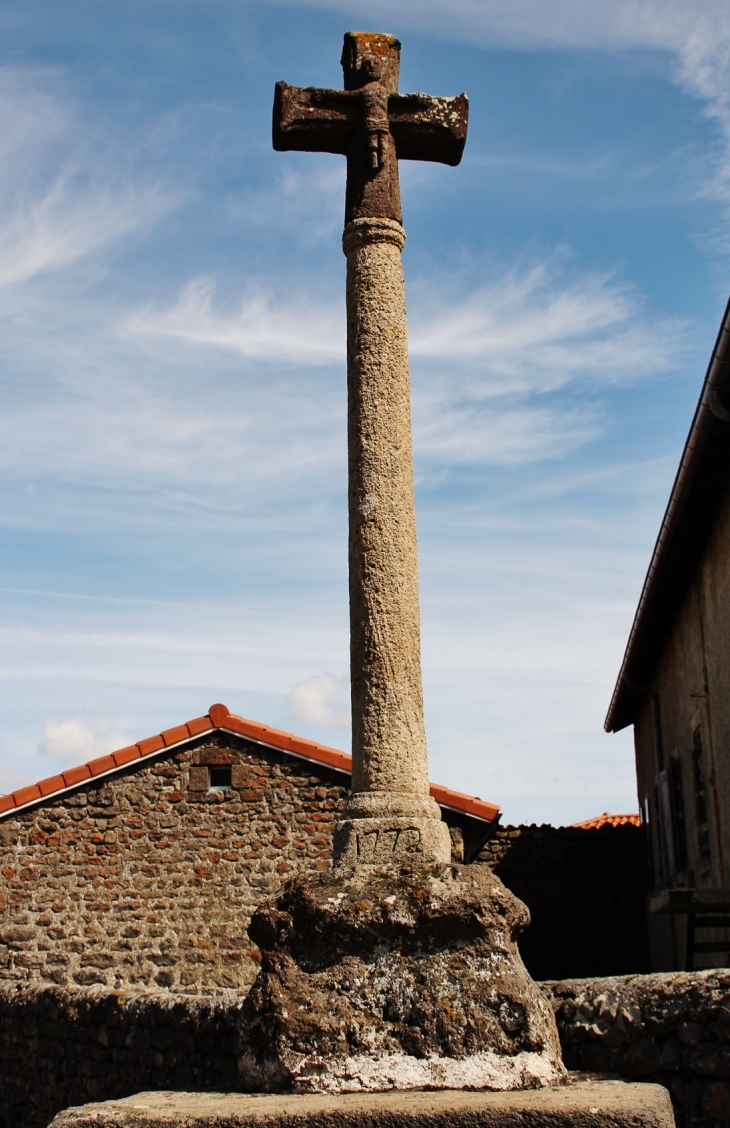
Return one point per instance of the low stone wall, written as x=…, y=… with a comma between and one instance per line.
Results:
x=672, y=1028
x=62, y=1047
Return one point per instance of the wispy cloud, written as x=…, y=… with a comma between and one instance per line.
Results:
x=64, y=192
x=530, y=330
x=448, y=435
x=95, y=381
x=69, y=222
x=308, y=204
x=535, y=330
x=321, y=700
x=77, y=739
x=530, y=333
x=294, y=329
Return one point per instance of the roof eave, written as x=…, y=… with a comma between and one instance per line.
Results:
x=218, y=719
x=627, y=696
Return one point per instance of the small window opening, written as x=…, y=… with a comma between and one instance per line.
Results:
x=219, y=779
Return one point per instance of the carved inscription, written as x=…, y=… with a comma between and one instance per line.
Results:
x=382, y=845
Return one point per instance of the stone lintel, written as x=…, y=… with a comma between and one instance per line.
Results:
x=578, y=1104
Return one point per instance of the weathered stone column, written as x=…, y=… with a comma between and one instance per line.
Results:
x=396, y=969
x=391, y=815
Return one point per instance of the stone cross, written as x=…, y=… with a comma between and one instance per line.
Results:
x=390, y=816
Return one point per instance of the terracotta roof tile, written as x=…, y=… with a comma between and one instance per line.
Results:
x=467, y=803
x=126, y=755
x=151, y=744
x=199, y=726
x=219, y=717
x=102, y=765
x=54, y=783
x=608, y=820
x=175, y=735
x=26, y=795
x=218, y=713
x=76, y=775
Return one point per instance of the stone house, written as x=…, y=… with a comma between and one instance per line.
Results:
x=674, y=688
x=141, y=869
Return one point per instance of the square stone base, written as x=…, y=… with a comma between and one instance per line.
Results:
x=578, y=1104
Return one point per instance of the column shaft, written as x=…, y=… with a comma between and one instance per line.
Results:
x=390, y=763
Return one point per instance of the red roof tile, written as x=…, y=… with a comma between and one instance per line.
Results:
x=102, y=765
x=175, y=735
x=219, y=717
x=48, y=786
x=199, y=725
x=126, y=755
x=608, y=820
x=26, y=795
x=76, y=775
x=151, y=744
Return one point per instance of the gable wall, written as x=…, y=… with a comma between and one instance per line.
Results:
x=141, y=880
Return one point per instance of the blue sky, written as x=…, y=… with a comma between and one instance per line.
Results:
x=173, y=514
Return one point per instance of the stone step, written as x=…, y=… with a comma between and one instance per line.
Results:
x=577, y=1104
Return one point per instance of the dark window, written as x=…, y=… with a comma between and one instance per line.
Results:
x=219, y=779
x=703, y=829
x=648, y=847
x=677, y=791
x=666, y=815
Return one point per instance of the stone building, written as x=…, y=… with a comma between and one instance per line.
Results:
x=585, y=890
x=674, y=688
x=141, y=868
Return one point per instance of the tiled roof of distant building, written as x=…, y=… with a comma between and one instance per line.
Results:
x=607, y=819
x=218, y=718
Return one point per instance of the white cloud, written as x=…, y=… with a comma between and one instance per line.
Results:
x=448, y=435
x=666, y=24
x=90, y=383
x=484, y=359
x=320, y=700
x=76, y=740
x=534, y=330
x=531, y=330
x=68, y=222
x=65, y=191
x=294, y=330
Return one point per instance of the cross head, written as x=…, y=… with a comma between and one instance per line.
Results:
x=371, y=124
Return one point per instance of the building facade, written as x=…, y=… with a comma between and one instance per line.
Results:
x=141, y=869
x=674, y=687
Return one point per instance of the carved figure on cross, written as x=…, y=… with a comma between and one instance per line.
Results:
x=371, y=124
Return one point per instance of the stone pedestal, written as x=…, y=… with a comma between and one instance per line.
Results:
x=602, y=1104
x=405, y=977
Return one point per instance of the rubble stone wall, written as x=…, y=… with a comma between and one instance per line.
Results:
x=63, y=1047
x=672, y=1028
x=60, y=1047
x=148, y=879
x=586, y=892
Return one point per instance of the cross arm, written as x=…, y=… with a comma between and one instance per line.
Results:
x=429, y=129
x=312, y=120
